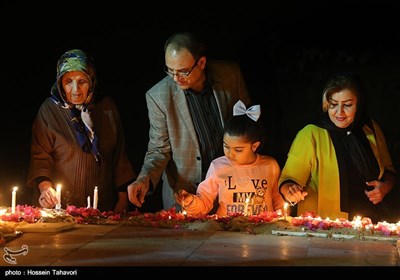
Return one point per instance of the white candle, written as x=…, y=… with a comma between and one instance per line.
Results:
x=58, y=196
x=95, y=197
x=14, y=199
x=88, y=201
x=285, y=209
x=183, y=206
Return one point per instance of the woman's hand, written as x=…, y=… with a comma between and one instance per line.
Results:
x=377, y=194
x=380, y=188
x=122, y=203
x=48, y=197
x=292, y=193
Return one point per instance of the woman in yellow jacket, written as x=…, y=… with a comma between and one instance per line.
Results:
x=340, y=167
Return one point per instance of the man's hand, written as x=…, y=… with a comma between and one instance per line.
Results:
x=138, y=189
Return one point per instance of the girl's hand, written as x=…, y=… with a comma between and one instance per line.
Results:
x=183, y=197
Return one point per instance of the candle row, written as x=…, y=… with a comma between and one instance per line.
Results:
x=58, y=196
x=246, y=208
x=95, y=198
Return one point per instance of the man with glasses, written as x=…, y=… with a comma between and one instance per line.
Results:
x=187, y=111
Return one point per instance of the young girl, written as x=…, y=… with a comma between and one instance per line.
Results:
x=243, y=180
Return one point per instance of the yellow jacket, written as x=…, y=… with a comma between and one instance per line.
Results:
x=312, y=163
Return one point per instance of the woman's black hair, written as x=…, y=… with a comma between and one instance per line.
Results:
x=353, y=82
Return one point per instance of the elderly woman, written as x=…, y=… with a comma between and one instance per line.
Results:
x=78, y=141
x=340, y=166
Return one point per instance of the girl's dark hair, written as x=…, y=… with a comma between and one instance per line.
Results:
x=243, y=126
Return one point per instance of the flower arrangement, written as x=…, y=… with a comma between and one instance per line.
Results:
x=262, y=223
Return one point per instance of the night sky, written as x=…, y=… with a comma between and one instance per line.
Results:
x=287, y=50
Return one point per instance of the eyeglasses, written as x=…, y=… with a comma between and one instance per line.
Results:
x=180, y=73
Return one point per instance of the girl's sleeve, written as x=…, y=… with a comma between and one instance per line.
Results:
x=206, y=193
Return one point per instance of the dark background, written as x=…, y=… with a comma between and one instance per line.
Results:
x=287, y=50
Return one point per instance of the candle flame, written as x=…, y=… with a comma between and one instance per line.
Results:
x=357, y=222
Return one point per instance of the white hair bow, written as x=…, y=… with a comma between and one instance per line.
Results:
x=253, y=112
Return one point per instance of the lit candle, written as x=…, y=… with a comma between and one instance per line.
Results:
x=357, y=222
x=58, y=196
x=14, y=199
x=183, y=206
x=285, y=209
x=95, y=197
x=88, y=201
